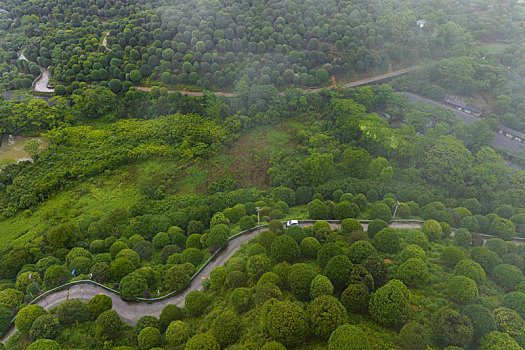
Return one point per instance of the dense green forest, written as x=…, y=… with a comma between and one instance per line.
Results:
x=136, y=188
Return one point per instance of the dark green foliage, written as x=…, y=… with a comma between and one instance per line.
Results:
x=255, y=249
x=515, y=301
x=462, y=238
x=56, y=275
x=227, y=328
x=72, y=311
x=471, y=269
x=296, y=232
x=202, y=341
x=193, y=256
x=355, y=298
x=348, y=337
x=360, y=250
x=121, y=267
x=310, y=247
x=324, y=315
x=286, y=323
x=257, y=265
x=284, y=248
x=377, y=268
x=266, y=239
x=451, y=328
x=241, y=300
x=144, y=322
x=350, y=225
x=133, y=286
x=300, y=278
x=486, y=258
x=375, y=226
x=195, y=303
x=276, y=226
x=387, y=241
x=497, y=245
x=109, y=325
x=177, y=277
x=470, y=223
x=98, y=304
x=462, y=290
x=177, y=333
x=160, y=240
x=267, y=291
x=45, y=326
x=194, y=241
x=419, y=238
x=169, y=314
x=6, y=315
x=413, y=272
x=327, y=252
x=338, y=270
x=273, y=345
x=321, y=285
x=481, y=319
x=451, y=256
x=144, y=249
x=381, y=211
x=507, y=276
x=218, y=236
x=246, y=222
x=412, y=251
x=503, y=228
x=414, y=336
x=389, y=305
x=149, y=337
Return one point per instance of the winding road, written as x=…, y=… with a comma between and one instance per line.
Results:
x=41, y=82
x=131, y=312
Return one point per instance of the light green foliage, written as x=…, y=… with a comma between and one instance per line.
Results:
x=498, y=341
x=360, y=250
x=300, y=278
x=381, y=211
x=195, y=303
x=149, y=338
x=325, y=314
x=432, y=229
x=273, y=345
x=169, y=314
x=177, y=276
x=227, y=328
x=350, y=225
x=348, y=337
x=44, y=344
x=286, y=323
x=72, y=311
x=27, y=315
x=412, y=251
x=486, y=258
x=503, y=228
x=10, y=298
x=218, y=236
x=375, y=226
x=133, y=286
x=413, y=272
x=177, y=333
x=515, y=301
x=321, y=285
x=417, y=237
x=462, y=290
x=241, y=299
x=309, y=247
x=509, y=321
x=462, y=238
x=389, y=305
x=471, y=269
x=45, y=326
x=257, y=265
x=202, y=341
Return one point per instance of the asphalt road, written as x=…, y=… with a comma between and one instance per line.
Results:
x=131, y=312
x=499, y=140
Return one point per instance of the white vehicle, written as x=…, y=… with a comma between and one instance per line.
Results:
x=292, y=223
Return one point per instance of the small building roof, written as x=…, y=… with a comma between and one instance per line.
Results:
x=511, y=131
x=460, y=103
x=2, y=10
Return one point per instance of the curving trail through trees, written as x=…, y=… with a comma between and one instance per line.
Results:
x=131, y=312
x=361, y=82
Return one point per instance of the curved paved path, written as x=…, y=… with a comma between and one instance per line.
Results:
x=131, y=312
x=41, y=81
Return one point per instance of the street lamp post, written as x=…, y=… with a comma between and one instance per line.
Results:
x=258, y=209
x=395, y=210
x=36, y=285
